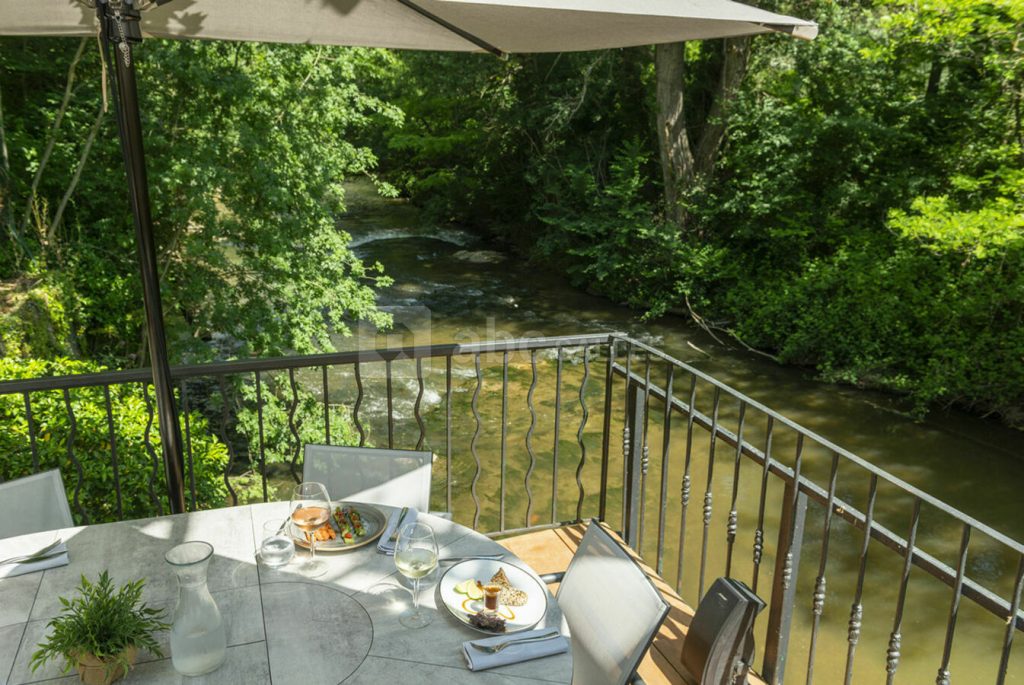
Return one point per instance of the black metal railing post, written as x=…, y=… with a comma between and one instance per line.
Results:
x=635, y=403
x=787, y=561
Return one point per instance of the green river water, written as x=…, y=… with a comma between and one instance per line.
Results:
x=451, y=288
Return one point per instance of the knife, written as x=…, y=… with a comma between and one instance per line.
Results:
x=398, y=526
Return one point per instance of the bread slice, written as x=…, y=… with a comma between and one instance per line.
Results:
x=509, y=595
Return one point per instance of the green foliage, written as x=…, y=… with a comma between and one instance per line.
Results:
x=136, y=439
x=618, y=247
x=281, y=411
x=246, y=145
x=102, y=622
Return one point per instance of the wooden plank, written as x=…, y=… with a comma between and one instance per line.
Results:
x=551, y=550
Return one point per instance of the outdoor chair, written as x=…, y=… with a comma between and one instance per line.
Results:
x=397, y=478
x=613, y=610
x=34, y=504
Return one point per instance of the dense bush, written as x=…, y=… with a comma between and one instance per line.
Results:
x=83, y=443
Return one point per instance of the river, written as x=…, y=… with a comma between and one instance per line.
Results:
x=450, y=287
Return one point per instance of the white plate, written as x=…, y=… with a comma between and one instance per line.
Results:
x=461, y=607
x=373, y=520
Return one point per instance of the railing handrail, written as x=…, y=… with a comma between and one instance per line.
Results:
x=187, y=371
x=824, y=442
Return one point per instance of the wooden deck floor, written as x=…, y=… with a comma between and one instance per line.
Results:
x=550, y=551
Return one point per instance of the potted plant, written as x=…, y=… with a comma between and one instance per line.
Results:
x=101, y=631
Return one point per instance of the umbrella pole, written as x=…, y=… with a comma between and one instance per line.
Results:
x=120, y=28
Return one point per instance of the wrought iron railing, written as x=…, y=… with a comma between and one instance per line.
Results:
x=528, y=432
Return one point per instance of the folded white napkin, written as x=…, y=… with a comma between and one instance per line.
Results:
x=385, y=545
x=61, y=559
x=513, y=654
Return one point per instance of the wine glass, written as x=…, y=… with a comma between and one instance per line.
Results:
x=311, y=508
x=415, y=557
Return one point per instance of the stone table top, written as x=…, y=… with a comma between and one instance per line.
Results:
x=282, y=628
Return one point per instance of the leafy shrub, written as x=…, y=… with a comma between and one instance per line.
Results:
x=84, y=443
x=104, y=623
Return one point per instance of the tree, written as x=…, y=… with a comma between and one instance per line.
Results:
x=690, y=135
x=247, y=145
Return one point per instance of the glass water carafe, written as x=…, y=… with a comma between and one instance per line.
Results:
x=198, y=638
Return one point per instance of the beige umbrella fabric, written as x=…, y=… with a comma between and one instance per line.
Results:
x=507, y=25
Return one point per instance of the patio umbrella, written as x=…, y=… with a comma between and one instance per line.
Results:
x=496, y=26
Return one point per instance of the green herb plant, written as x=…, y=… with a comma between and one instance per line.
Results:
x=102, y=622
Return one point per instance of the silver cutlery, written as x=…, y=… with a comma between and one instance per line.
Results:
x=32, y=560
x=498, y=646
x=398, y=526
x=484, y=557
x=38, y=554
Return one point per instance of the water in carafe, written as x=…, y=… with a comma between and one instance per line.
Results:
x=198, y=637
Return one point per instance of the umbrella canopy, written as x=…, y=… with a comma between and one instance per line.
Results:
x=454, y=25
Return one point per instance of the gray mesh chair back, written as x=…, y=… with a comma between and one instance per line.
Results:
x=398, y=478
x=613, y=610
x=34, y=504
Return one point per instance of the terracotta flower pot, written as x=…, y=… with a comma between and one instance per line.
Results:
x=94, y=671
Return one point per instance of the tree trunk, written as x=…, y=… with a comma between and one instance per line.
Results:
x=673, y=141
x=689, y=150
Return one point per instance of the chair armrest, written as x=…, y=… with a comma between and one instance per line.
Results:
x=549, y=578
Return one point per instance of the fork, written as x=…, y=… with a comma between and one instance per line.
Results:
x=485, y=557
x=495, y=648
x=34, y=556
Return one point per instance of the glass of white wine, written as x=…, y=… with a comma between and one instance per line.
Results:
x=415, y=557
x=311, y=508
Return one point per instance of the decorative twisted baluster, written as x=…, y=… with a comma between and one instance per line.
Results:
x=645, y=454
x=954, y=608
x=473, y=443
x=72, y=434
x=685, y=489
x=579, y=433
x=892, y=656
x=419, y=401
x=31, y=432
x=115, y=467
x=857, y=609
x=389, y=392
x=259, y=422
x=529, y=436
x=225, y=438
x=326, y=393
x=1011, y=623
x=358, y=403
x=188, y=442
x=818, y=606
x=892, y=660
x=148, y=442
x=448, y=434
x=625, y=431
x=666, y=437
x=759, y=533
x=733, y=524
x=787, y=563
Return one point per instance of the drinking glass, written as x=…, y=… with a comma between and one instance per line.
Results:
x=415, y=557
x=311, y=508
x=276, y=546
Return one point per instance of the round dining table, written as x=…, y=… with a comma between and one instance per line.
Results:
x=282, y=628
